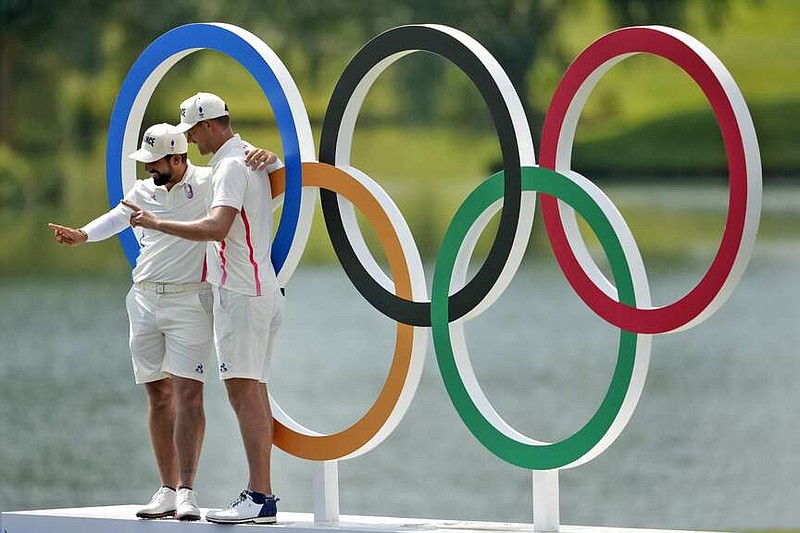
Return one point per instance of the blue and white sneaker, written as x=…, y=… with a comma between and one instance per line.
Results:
x=248, y=507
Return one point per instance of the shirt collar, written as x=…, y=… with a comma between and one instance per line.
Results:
x=188, y=174
x=184, y=179
x=229, y=147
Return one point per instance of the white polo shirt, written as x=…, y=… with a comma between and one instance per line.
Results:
x=241, y=263
x=163, y=258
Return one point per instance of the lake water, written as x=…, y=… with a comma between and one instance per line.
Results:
x=713, y=443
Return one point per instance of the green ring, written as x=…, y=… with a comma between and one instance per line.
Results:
x=570, y=449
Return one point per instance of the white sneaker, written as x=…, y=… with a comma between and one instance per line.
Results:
x=244, y=509
x=186, y=506
x=161, y=505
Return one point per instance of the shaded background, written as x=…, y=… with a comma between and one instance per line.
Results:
x=424, y=132
x=70, y=417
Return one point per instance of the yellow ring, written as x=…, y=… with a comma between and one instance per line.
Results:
x=353, y=438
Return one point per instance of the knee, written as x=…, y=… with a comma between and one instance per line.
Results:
x=190, y=396
x=238, y=400
x=243, y=396
x=160, y=398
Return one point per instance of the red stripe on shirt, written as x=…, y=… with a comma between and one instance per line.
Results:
x=223, y=260
x=252, y=254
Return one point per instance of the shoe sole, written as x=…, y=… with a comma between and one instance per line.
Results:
x=148, y=516
x=188, y=517
x=261, y=520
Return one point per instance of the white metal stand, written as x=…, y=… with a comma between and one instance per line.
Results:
x=545, y=501
x=326, y=492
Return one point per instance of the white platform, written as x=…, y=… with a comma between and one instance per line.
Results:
x=120, y=518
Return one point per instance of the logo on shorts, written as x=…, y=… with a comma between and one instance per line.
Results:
x=223, y=367
x=199, y=369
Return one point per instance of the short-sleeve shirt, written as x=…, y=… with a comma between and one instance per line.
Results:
x=165, y=258
x=241, y=262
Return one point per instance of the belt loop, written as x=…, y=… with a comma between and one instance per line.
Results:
x=160, y=288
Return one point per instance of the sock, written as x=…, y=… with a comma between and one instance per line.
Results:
x=168, y=487
x=184, y=487
x=259, y=497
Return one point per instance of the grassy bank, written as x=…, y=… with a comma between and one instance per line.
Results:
x=690, y=144
x=669, y=232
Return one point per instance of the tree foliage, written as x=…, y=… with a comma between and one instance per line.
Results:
x=62, y=62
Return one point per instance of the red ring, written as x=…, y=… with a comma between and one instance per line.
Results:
x=681, y=312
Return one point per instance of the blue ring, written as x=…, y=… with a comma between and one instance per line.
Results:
x=192, y=36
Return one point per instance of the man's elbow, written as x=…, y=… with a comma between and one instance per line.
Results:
x=214, y=232
x=219, y=223
x=218, y=234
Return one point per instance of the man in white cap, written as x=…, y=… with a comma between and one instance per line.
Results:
x=170, y=311
x=247, y=299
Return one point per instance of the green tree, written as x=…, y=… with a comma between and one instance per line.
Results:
x=517, y=32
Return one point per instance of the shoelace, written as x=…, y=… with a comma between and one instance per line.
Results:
x=242, y=497
x=159, y=496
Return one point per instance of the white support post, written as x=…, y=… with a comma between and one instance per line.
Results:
x=545, y=501
x=326, y=492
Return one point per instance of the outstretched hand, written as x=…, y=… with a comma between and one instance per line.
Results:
x=141, y=217
x=68, y=236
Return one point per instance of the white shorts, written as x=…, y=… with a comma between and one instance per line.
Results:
x=244, y=332
x=171, y=333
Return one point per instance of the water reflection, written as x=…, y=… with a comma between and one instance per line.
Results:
x=711, y=445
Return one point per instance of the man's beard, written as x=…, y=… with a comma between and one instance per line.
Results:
x=161, y=179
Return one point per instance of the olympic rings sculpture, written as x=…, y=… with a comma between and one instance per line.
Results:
x=454, y=300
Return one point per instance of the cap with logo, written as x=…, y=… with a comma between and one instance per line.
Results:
x=202, y=106
x=160, y=141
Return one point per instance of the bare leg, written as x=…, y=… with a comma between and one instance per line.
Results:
x=190, y=425
x=161, y=419
x=268, y=409
x=255, y=423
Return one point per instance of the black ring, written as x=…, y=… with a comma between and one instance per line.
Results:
x=436, y=41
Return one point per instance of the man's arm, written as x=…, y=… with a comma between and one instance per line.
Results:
x=99, y=229
x=68, y=236
x=214, y=227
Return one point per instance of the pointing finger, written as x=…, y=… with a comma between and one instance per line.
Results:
x=131, y=205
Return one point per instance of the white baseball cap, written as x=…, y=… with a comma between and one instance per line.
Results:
x=202, y=106
x=160, y=141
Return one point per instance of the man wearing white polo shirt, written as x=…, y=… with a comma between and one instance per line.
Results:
x=247, y=299
x=170, y=311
